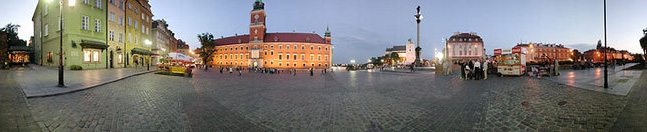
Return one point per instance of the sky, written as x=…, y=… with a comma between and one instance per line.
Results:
x=364, y=28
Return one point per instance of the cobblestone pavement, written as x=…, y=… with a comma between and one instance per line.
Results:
x=634, y=116
x=14, y=113
x=340, y=101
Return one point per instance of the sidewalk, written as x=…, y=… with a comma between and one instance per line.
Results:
x=41, y=81
x=620, y=81
x=634, y=116
x=14, y=111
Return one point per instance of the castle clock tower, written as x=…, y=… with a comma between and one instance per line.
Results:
x=257, y=27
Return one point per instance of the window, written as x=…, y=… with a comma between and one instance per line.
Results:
x=59, y=24
x=135, y=36
x=86, y=1
x=97, y=25
x=271, y=52
x=130, y=21
x=295, y=46
x=97, y=3
x=312, y=64
x=121, y=4
x=279, y=63
x=136, y=24
x=295, y=56
x=287, y=63
x=111, y=35
x=312, y=47
x=295, y=64
x=327, y=49
x=91, y=56
x=46, y=29
x=271, y=46
x=50, y=57
x=112, y=1
x=112, y=16
x=303, y=57
x=280, y=56
x=304, y=64
x=85, y=23
x=326, y=57
x=319, y=47
x=312, y=57
x=280, y=47
x=265, y=52
x=287, y=47
x=121, y=37
x=46, y=9
x=318, y=57
x=303, y=47
x=121, y=21
x=130, y=37
x=130, y=6
x=143, y=29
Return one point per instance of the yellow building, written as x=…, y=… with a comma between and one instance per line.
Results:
x=138, y=41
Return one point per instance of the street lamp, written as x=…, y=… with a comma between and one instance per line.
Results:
x=71, y=3
x=606, y=84
x=418, y=17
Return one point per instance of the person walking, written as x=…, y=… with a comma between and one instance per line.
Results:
x=311, y=72
x=485, y=68
x=239, y=71
x=231, y=70
x=136, y=64
x=462, y=63
x=477, y=70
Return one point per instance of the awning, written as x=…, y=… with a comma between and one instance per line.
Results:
x=141, y=51
x=93, y=44
x=19, y=48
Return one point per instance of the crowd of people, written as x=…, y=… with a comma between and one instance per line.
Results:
x=474, y=69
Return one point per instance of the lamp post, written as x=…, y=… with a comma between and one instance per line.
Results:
x=606, y=81
x=61, y=82
x=418, y=17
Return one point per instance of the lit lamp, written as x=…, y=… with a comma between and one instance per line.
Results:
x=71, y=3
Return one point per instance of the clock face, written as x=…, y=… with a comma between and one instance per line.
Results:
x=256, y=16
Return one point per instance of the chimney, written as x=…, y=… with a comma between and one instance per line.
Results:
x=473, y=33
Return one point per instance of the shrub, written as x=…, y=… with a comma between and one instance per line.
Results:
x=76, y=67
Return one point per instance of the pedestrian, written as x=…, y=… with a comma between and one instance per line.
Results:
x=477, y=70
x=136, y=64
x=230, y=70
x=311, y=72
x=463, y=70
x=411, y=67
x=295, y=72
x=468, y=72
x=240, y=71
x=485, y=67
x=221, y=70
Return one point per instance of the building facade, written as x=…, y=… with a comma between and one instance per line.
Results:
x=597, y=55
x=138, y=21
x=84, y=32
x=538, y=52
x=161, y=37
x=116, y=35
x=406, y=52
x=465, y=47
x=273, y=50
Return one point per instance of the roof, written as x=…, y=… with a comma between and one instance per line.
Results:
x=273, y=37
x=397, y=48
x=19, y=48
x=460, y=36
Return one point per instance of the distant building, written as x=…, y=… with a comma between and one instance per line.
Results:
x=406, y=52
x=542, y=52
x=597, y=55
x=273, y=50
x=465, y=46
x=161, y=40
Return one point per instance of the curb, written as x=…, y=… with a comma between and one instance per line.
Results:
x=86, y=88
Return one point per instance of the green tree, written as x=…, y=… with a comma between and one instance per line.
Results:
x=576, y=54
x=207, y=46
x=395, y=58
x=12, y=35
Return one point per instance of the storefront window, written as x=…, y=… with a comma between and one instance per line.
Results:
x=91, y=56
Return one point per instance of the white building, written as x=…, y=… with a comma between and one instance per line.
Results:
x=465, y=46
x=406, y=52
x=161, y=39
